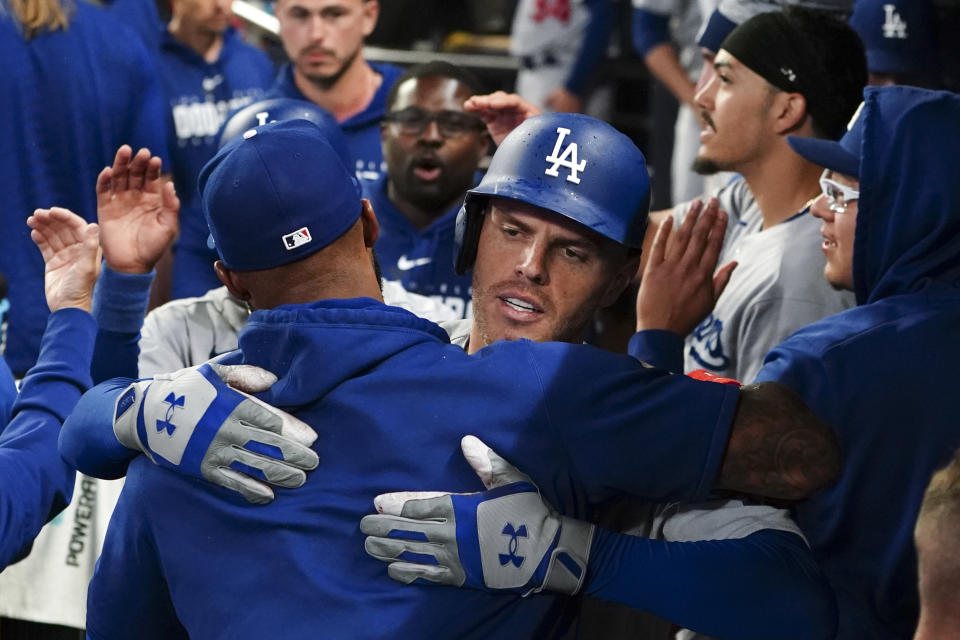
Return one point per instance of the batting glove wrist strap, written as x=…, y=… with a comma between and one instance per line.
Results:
x=567, y=566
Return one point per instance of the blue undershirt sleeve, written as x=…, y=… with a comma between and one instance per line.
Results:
x=649, y=30
x=35, y=483
x=87, y=440
x=663, y=349
x=120, y=303
x=761, y=586
x=594, y=45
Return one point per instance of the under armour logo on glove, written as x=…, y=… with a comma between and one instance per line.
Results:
x=567, y=159
x=167, y=423
x=514, y=545
x=223, y=435
x=457, y=539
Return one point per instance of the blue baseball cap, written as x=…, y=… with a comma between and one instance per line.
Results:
x=275, y=195
x=899, y=35
x=842, y=156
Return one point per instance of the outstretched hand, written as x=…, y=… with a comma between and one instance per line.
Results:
x=680, y=283
x=71, y=254
x=503, y=112
x=137, y=210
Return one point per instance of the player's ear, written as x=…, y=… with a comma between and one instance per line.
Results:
x=790, y=111
x=371, y=228
x=371, y=11
x=622, y=278
x=230, y=280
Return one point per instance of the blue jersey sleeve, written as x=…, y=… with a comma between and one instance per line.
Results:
x=87, y=440
x=35, y=482
x=660, y=348
x=649, y=30
x=594, y=46
x=761, y=586
x=120, y=303
x=641, y=421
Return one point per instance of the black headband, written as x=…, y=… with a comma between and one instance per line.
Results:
x=776, y=49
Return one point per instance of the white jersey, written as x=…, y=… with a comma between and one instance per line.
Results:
x=777, y=288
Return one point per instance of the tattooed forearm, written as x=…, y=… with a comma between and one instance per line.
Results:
x=779, y=448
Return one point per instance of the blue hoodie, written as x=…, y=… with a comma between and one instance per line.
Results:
x=200, y=94
x=390, y=399
x=363, y=129
x=882, y=373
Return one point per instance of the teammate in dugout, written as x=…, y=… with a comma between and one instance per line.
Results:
x=363, y=347
x=324, y=41
x=207, y=71
x=895, y=429
x=776, y=76
x=432, y=151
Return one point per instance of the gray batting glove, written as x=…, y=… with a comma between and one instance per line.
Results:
x=507, y=538
x=194, y=422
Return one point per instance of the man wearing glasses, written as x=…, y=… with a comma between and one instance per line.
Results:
x=432, y=149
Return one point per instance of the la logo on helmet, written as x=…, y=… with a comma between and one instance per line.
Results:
x=567, y=159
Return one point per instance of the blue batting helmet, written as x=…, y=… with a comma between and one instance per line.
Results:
x=576, y=166
x=281, y=109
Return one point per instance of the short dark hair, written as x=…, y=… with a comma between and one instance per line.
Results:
x=437, y=69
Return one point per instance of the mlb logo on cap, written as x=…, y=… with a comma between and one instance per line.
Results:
x=296, y=239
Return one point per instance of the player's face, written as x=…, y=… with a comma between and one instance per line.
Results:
x=540, y=276
x=734, y=104
x=207, y=15
x=433, y=167
x=322, y=38
x=838, y=233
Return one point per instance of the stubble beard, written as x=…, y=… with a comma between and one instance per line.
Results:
x=327, y=82
x=706, y=166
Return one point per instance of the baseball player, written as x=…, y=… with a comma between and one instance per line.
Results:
x=565, y=242
x=207, y=71
x=432, y=151
x=559, y=43
x=62, y=132
x=35, y=483
x=760, y=94
x=324, y=41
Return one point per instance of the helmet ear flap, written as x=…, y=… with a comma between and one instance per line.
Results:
x=467, y=234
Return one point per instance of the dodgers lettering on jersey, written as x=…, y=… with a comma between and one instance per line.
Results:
x=197, y=122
